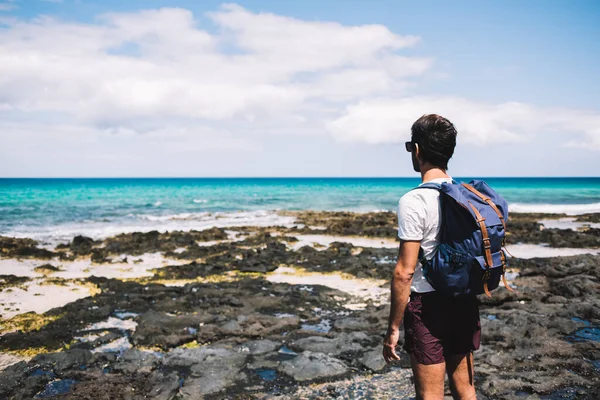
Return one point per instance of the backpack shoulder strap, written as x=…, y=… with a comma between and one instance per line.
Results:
x=429, y=185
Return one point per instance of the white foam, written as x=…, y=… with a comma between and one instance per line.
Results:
x=200, y=201
x=569, y=209
x=527, y=251
x=54, y=234
x=39, y=298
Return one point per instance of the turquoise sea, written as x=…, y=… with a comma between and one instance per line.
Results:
x=57, y=209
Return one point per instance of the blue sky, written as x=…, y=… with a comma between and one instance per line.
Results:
x=296, y=88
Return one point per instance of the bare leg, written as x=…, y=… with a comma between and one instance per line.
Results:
x=461, y=376
x=429, y=380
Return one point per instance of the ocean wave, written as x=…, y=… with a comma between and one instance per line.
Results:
x=200, y=201
x=99, y=229
x=569, y=209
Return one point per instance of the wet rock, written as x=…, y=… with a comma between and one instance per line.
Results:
x=309, y=366
x=212, y=370
x=12, y=378
x=163, y=330
x=61, y=361
x=134, y=360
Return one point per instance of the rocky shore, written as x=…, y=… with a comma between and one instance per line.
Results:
x=279, y=313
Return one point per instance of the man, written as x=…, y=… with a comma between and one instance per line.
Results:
x=440, y=332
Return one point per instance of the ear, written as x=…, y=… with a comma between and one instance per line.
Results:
x=417, y=150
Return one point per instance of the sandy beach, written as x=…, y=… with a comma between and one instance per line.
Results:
x=282, y=311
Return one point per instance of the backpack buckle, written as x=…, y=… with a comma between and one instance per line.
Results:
x=486, y=243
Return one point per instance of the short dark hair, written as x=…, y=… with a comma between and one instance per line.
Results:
x=436, y=137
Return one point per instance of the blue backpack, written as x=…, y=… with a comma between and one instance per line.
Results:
x=469, y=259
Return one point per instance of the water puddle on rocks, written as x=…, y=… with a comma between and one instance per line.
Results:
x=116, y=346
x=56, y=388
x=287, y=352
x=367, y=289
x=588, y=333
x=112, y=323
x=323, y=327
x=266, y=374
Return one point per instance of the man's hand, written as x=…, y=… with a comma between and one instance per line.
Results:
x=389, y=346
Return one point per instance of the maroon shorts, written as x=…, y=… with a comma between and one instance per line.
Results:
x=436, y=326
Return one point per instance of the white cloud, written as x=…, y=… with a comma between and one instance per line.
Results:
x=160, y=64
x=388, y=120
x=161, y=75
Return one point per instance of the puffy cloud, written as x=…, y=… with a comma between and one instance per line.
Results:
x=388, y=120
x=161, y=75
x=155, y=65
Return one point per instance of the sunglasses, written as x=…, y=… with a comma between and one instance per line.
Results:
x=409, y=146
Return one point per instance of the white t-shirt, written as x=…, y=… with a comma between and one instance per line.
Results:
x=419, y=219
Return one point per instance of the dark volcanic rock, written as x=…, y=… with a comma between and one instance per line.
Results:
x=7, y=281
x=593, y=218
x=81, y=245
x=373, y=224
x=165, y=331
x=525, y=335
x=47, y=269
x=525, y=228
x=138, y=243
x=27, y=248
x=212, y=370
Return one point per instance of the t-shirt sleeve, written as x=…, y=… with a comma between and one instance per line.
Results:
x=411, y=218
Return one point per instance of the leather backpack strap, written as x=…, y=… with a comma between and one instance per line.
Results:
x=487, y=200
x=487, y=248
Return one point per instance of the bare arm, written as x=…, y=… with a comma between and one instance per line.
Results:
x=401, y=281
